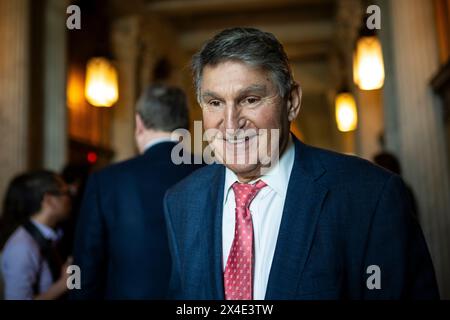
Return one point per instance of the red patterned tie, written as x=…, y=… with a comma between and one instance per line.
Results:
x=238, y=274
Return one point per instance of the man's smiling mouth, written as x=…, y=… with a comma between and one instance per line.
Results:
x=238, y=140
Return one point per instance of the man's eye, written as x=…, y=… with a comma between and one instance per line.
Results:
x=214, y=103
x=250, y=100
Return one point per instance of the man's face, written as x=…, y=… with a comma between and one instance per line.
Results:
x=238, y=101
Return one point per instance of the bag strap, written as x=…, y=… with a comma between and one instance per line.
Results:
x=46, y=248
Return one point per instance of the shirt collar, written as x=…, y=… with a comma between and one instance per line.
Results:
x=46, y=231
x=156, y=141
x=277, y=178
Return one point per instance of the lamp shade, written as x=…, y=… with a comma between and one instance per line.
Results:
x=346, y=114
x=101, y=86
x=368, y=64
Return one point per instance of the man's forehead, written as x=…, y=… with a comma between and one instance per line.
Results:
x=253, y=88
x=236, y=77
x=235, y=67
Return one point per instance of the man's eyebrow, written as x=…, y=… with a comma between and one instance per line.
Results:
x=210, y=94
x=254, y=88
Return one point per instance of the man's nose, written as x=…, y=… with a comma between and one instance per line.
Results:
x=233, y=118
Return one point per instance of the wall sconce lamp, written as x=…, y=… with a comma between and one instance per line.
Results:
x=368, y=64
x=345, y=110
x=101, y=86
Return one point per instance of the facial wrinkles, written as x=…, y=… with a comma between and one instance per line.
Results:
x=231, y=86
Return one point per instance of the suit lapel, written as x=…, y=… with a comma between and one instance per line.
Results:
x=300, y=216
x=214, y=227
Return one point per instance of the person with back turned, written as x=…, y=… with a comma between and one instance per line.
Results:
x=121, y=243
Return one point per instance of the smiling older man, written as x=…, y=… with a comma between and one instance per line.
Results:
x=280, y=219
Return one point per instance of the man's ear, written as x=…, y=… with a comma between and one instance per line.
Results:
x=139, y=124
x=294, y=102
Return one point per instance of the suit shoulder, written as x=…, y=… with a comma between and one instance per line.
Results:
x=196, y=181
x=118, y=167
x=109, y=174
x=345, y=167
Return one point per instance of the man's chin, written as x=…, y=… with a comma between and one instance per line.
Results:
x=244, y=170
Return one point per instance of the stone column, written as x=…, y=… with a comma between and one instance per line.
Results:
x=125, y=38
x=418, y=129
x=55, y=110
x=14, y=88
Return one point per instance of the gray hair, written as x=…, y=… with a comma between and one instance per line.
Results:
x=163, y=107
x=251, y=46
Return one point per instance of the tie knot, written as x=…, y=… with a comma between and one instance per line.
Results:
x=244, y=193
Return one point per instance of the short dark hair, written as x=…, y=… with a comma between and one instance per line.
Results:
x=24, y=197
x=163, y=107
x=37, y=184
x=251, y=46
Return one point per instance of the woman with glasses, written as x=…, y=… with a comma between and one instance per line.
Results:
x=34, y=205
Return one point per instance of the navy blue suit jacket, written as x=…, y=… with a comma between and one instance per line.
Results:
x=121, y=241
x=341, y=215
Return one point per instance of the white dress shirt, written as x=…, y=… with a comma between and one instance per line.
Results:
x=156, y=141
x=267, y=210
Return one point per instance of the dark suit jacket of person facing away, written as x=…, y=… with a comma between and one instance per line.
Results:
x=341, y=215
x=121, y=242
